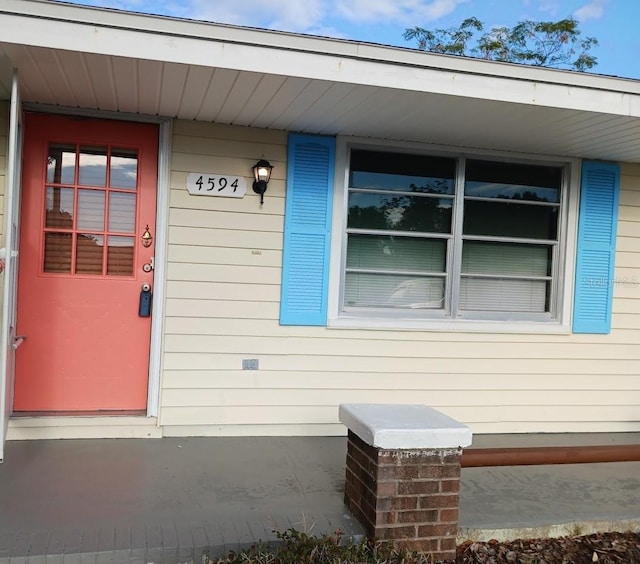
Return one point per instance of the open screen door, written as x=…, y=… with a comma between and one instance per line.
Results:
x=10, y=342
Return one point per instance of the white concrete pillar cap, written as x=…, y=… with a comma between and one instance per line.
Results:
x=393, y=426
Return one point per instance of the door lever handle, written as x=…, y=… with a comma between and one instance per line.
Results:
x=17, y=341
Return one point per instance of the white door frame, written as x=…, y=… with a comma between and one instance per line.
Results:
x=8, y=341
x=161, y=250
x=160, y=270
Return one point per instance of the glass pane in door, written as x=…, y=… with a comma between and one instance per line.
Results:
x=61, y=164
x=124, y=169
x=59, y=207
x=120, y=256
x=57, y=252
x=93, y=166
x=89, y=249
x=122, y=212
x=91, y=210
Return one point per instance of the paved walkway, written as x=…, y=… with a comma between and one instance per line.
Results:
x=167, y=500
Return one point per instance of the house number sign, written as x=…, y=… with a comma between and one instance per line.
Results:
x=208, y=184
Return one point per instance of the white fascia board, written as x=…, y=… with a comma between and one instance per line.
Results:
x=109, y=32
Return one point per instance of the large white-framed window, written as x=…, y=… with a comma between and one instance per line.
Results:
x=432, y=237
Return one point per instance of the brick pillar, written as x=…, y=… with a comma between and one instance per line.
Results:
x=407, y=496
x=402, y=483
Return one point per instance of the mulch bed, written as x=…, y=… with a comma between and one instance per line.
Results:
x=604, y=548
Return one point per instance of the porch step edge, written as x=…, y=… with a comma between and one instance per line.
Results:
x=84, y=427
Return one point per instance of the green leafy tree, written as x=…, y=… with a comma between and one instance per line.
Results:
x=545, y=44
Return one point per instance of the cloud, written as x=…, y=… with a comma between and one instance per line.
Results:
x=288, y=15
x=314, y=16
x=592, y=11
x=549, y=6
x=397, y=11
x=144, y=6
x=320, y=17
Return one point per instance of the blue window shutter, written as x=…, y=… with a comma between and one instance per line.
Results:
x=307, y=230
x=597, y=226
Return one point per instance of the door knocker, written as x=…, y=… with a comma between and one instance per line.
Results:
x=146, y=237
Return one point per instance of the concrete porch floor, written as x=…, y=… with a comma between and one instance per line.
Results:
x=168, y=500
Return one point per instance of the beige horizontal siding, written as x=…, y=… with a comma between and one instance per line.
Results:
x=225, y=219
x=439, y=367
x=299, y=430
x=383, y=350
x=281, y=413
x=303, y=430
x=222, y=309
x=184, y=325
x=202, y=397
x=273, y=204
x=239, y=239
x=312, y=380
x=225, y=255
x=222, y=306
x=220, y=291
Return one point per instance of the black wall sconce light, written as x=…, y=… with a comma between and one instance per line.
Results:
x=262, y=174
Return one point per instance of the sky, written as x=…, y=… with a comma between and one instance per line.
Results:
x=614, y=23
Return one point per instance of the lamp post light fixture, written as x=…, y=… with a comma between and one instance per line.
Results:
x=262, y=174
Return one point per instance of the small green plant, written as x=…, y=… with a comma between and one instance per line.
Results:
x=576, y=530
x=297, y=547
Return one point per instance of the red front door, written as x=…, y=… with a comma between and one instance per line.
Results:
x=89, y=193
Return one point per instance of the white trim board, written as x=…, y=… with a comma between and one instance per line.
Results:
x=160, y=261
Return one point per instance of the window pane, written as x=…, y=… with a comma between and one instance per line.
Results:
x=59, y=207
x=491, y=294
x=510, y=192
x=505, y=294
x=89, y=254
x=510, y=220
x=57, y=252
x=393, y=291
x=399, y=213
x=91, y=210
x=93, y=166
x=120, y=256
x=479, y=257
x=402, y=172
x=396, y=253
x=122, y=212
x=61, y=164
x=124, y=168
x=516, y=207
x=489, y=179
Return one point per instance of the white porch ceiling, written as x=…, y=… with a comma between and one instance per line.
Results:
x=594, y=117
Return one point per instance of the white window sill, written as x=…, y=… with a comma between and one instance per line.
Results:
x=444, y=326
